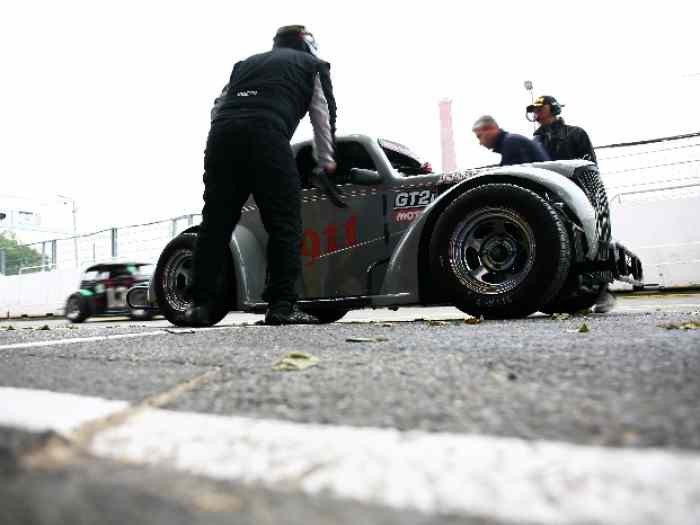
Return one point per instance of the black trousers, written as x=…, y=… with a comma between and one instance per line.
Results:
x=242, y=158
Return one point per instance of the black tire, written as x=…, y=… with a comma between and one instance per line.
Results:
x=325, y=315
x=574, y=296
x=499, y=250
x=172, y=280
x=141, y=315
x=78, y=308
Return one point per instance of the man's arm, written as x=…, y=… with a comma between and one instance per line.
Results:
x=583, y=146
x=322, y=115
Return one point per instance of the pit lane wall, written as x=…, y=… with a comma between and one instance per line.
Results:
x=37, y=294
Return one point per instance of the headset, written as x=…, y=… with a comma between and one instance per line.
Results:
x=555, y=108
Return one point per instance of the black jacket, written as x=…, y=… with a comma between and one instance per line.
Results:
x=280, y=86
x=517, y=149
x=564, y=142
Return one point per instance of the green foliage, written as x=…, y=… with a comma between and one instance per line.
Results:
x=16, y=255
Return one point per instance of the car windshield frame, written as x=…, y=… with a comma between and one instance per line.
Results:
x=396, y=153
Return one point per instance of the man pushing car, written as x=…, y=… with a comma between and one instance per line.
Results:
x=248, y=152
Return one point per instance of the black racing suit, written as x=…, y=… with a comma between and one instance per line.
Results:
x=564, y=142
x=248, y=152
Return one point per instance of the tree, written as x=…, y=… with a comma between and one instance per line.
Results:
x=16, y=255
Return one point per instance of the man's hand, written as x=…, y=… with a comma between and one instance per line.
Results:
x=321, y=181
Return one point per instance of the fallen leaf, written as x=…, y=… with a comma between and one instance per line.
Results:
x=10, y=328
x=180, y=331
x=474, y=320
x=688, y=325
x=561, y=317
x=294, y=361
x=583, y=329
x=44, y=327
x=387, y=325
x=366, y=339
x=435, y=322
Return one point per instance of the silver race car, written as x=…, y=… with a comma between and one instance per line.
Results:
x=501, y=242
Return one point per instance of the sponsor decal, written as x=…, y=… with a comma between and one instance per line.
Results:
x=247, y=93
x=413, y=199
x=407, y=214
x=457, y=176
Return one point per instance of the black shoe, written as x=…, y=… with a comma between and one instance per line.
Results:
x=198, y=315
x=284, y=312
x=604, y=303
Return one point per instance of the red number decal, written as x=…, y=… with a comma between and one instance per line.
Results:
x=311, y=246
x=331, y=233
x=351, y=231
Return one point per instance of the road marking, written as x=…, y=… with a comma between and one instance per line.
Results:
x=440, y=473
x=76, y=340
x=41, y=410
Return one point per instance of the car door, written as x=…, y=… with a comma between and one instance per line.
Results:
x=341, y=246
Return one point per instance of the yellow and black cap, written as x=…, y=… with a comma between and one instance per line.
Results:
x=543, y=101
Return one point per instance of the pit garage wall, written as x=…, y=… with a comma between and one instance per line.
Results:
x=665, y=234
x=37, y=294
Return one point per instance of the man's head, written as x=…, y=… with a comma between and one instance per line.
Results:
x=296, y=37
x=544, y=110
x=486, y=130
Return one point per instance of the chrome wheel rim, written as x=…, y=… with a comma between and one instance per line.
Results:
x=492, y=250
x=177, y=278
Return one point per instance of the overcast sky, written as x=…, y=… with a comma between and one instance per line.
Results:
x=108, y=102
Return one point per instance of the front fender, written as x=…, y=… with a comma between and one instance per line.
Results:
x=403, y=269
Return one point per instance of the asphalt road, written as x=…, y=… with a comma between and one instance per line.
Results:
x=627, y=384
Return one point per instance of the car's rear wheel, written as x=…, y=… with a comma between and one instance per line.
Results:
x=499, y=250
x=173, y=280
x=78, y=308
x=325, y=315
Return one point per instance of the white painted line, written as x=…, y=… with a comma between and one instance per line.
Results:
x=76, y=340
x=509, y=479
x=439, y=473
x=41, y=410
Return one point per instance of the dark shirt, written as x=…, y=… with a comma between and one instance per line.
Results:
x=276, y=86
x=517, y=149
x=564, y=142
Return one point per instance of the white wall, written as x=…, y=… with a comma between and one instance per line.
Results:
x=663, y=229
x=37, y=293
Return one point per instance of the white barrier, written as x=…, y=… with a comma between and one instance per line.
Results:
x=37, y=294
x=663, y=229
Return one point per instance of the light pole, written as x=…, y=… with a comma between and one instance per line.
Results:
x=528, y=85
x=75, y=228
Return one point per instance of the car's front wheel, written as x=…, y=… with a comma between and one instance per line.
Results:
x=499, y=250
x=78, y=308
x=173, y=280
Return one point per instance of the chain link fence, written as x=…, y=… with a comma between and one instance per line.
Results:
x=667, y=167
x=138, y=243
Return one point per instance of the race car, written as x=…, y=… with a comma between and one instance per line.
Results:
x=498, y=242
x=103, y=290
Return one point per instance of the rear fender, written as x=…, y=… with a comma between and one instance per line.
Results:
x=408, y=261
x=249, y=266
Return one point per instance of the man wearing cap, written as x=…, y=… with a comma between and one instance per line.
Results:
x=564, y=142
x=561, y=140
x=248, y=152
x=514, y=148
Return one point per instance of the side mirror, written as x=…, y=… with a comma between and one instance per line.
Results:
x=364, y=177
